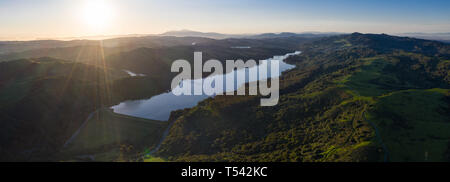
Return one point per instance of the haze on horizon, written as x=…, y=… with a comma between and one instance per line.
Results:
x=26, y=19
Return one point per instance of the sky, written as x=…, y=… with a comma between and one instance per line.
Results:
x=32, y=19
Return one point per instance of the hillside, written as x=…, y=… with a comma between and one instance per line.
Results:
x=91, y=51
x=108, y=136
x=28, y=49
x=358, y=97
x=43, y=101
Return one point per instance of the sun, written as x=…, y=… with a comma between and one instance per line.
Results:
x=97, y=14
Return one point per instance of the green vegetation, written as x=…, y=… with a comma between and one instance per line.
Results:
x=345, y=101
x=154, y=159
x=107, y=130
x=413, y=121
x=43, y=101
x=414, y=124
x=358, y=97
x=345, y=42
x=370, y=80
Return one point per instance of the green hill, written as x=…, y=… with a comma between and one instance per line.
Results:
x=108, y=136
x=44, y=101
x=358, y=97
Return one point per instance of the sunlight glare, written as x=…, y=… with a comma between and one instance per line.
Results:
x=97, y=14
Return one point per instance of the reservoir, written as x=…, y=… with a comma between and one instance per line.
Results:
x=160, y=106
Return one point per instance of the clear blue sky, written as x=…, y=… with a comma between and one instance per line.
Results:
x=62, y=18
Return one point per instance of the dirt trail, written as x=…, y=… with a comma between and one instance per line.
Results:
x=377, y=133
x=79, y=129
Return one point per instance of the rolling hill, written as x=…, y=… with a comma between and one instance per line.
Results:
x=108, y=136
x=358, y=97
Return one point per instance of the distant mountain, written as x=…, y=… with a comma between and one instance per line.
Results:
x=171, y=38
x=190, y=33
x=290, y=34
x=443, y=37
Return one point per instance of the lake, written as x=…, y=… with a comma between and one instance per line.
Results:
x=160, y=106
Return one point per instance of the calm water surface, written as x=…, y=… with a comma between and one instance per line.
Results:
x=160, y=106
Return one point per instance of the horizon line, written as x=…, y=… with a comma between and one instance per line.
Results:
x=113, y=36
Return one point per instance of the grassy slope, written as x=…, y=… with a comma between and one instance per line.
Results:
x=109, y=136
x=413, y=123
x=44, y=101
